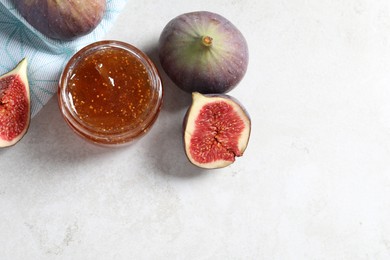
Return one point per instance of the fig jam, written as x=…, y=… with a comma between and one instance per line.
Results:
x=110, y=90
x=113, y=93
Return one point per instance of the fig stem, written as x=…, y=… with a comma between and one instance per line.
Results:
x=207, y=41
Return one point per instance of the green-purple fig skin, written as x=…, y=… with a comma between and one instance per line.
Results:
x=191, y=64
x=62, y=19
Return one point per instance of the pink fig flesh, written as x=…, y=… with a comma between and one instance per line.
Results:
x=14, y=105
x=216, y=130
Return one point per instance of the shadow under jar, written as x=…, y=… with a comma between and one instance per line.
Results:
x=110, y=93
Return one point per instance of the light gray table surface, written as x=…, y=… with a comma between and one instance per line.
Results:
x=314, y=182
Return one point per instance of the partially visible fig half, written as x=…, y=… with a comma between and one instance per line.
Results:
x=203, y=52
x=62, y=19
x=216, y=130
x=14, y=105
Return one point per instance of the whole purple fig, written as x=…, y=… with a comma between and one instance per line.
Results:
x=62, y=19
x=203, y=52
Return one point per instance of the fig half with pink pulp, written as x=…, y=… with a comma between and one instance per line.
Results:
x=62, y=19
x=14, y=105
x=203, y=52
x=216, y=130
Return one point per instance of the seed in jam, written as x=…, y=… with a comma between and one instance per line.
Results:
x=110, y=90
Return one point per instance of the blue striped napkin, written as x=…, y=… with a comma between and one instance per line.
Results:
x=46, y=57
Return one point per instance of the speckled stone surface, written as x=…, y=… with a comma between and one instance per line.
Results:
x=314, y=182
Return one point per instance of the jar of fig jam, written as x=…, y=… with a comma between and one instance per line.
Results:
x=110, y=93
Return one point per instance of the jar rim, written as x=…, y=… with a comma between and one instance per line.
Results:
x=115, y=136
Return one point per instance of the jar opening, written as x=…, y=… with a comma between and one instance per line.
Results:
x=110, y=90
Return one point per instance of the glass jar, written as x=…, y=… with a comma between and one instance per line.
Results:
x=110, y=93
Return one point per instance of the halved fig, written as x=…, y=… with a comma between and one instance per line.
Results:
x=216, y=130
x=14, y=105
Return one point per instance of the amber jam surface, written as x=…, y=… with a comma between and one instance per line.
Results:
x=111, y=92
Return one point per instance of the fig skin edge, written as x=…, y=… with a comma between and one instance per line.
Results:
x=203, y=52
x=199, y=100
x=21, y=71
